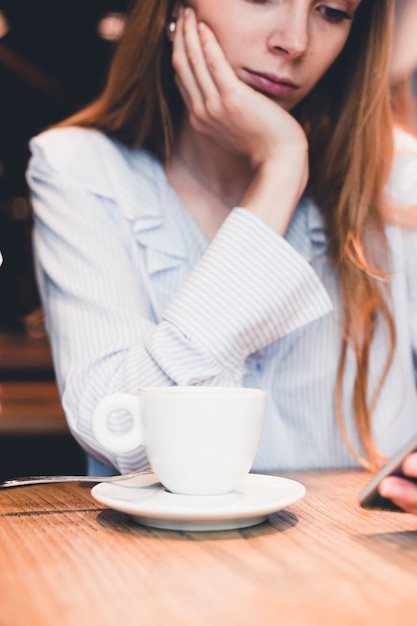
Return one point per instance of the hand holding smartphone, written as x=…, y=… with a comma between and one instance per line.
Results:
x=369, y=497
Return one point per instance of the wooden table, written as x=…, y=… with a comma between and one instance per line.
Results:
x=65, y=560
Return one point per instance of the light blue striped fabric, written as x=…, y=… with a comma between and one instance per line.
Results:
x=134, y=295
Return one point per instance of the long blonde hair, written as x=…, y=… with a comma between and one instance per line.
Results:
x=347, y=118
x=351, y=158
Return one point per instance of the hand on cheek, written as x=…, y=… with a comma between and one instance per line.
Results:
x=224, y=107
x=241, y=120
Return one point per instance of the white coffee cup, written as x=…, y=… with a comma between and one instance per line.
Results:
x=199, y=440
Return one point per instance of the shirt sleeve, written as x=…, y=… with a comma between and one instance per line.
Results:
x=249, y=289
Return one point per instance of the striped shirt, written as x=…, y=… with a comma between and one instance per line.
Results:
x=134, y=295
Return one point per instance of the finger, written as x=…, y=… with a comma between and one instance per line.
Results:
x=410, y=465
x=185, y=79
x=221, y=71
x=401, y=491
x=196, y=57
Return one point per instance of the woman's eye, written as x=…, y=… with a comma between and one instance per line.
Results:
x=334, y=15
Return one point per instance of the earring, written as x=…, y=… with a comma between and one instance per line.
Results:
x=171, y=28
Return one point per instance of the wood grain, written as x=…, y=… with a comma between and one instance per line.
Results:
x=324, y=561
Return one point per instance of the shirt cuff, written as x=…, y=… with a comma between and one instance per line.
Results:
x=248, y=290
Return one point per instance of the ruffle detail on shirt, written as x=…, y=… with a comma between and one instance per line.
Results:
x=307, y=232
x=402, y=184
x=145, y=203
x=316, y=231
x=143, y=196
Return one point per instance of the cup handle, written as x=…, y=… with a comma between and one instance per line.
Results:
x=118, y=442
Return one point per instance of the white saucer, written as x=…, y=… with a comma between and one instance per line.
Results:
x=149, y=503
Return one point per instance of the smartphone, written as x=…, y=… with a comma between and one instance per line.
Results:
x=369, y=497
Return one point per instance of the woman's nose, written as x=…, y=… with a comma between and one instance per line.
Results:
x=290, y=33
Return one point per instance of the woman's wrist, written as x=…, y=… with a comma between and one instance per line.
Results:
x=276, y=190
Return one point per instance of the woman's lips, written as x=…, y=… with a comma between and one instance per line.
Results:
x=271, y=85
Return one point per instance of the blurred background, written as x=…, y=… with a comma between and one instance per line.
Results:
x=53, y=59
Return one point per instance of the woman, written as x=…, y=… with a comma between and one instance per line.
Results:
x=227, y=213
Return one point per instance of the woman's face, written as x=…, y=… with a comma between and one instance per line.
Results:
x=280, y=47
